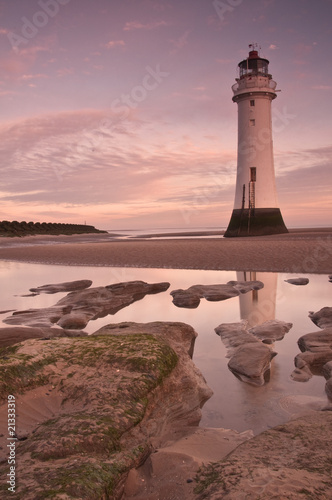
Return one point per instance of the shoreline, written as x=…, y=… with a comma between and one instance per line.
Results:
x=300, y=251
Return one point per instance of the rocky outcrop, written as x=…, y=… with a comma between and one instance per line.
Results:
x=316, y=350
x=69, y=286
x=298, y=281
x=291, y=461
x=191, y=297
x=92, y=408
x=14, y=335
x=74, y=311
x=322, y=318
x=250, y=357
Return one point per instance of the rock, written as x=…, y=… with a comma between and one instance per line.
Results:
x=235, y=335
x=330, y=278
x=191, y=297
x=316, y=350
x=14, y=335
x=290, y=461
x=327, y=372
x=316, y=341
x=251, y=363
x=246, y=286
x=112, y=400
x=62, y=287
x=250, y=358
x=297, y=281
x=271, y=330
x=322, y=318
x=77, y=308
x=181, y=298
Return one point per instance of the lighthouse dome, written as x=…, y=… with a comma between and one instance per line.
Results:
x=254, y=65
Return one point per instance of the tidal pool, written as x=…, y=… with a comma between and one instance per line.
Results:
x=234, y=404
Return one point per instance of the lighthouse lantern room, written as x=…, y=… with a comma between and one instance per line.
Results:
x=256, y=209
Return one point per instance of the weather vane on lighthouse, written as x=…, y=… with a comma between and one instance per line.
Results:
x=256, y=209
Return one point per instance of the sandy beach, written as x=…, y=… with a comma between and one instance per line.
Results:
x=300, y=251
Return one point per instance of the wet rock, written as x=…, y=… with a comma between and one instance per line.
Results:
x=298, y=281
x=113, y=399
x=77, y=308
x=246, y=286
x=14, y=335
x=69, y=286
x=251, y=363
x=235, y=335
x=290, y=461
x=272, y=330
x=327, y=372
x=316, y=350
x=191, y=297
x=330, y=278
x=184, y=298
x=322, y=318
x=316, y=341
x=250, y=359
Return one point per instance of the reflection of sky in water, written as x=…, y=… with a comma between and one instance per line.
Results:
x=234, y=404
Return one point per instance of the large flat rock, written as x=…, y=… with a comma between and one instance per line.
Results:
x=92, y=408
x=76, y=309
x=191, y=297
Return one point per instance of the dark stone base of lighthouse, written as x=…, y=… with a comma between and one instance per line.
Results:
x=255, y=222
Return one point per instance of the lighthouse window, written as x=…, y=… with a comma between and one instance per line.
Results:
x=252, y=122
x=252, y=102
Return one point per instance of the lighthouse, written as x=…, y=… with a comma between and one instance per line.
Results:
x=255, y=209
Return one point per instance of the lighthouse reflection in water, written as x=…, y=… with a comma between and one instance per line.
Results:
x=258, y=306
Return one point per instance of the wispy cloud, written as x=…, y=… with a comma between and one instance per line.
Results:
x=115, y=43
x=322, y=87
x=137, y=25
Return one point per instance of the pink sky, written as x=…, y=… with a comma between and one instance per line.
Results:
x=120, y=114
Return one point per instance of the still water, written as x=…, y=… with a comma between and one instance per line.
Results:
x=234, y=404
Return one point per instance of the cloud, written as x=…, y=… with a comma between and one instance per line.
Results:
x=33, y=77
x=322, y=87
x=115, y=43
x=93, y=159
x=136, y=25
x=273, y=47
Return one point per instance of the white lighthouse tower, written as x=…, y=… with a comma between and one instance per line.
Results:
x=256, y=209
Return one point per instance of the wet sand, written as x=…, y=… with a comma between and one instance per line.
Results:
x=300, y=251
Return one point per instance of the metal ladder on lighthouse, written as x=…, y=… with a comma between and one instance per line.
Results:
x=251, y=202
